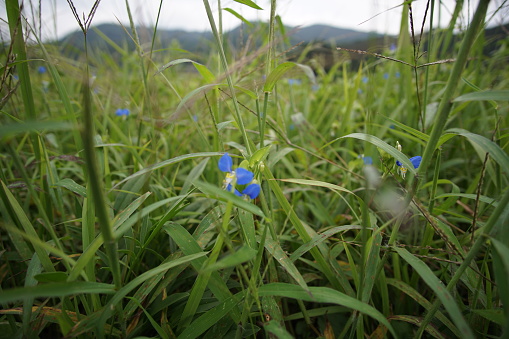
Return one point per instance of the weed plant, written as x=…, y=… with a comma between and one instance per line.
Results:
x=382, y=208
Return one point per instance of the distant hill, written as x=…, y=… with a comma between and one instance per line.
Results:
x=196, y=42
x=319, y=42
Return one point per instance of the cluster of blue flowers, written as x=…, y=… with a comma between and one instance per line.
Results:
x=239, y=176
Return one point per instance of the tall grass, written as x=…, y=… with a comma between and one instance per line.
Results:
x=119, y=225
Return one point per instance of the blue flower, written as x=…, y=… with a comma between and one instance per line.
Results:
x=416, y=161
x=398, y=74
x=195, y=117
x=393, y=47
x=240, y=176
x=367, y=160
x=386, y=76
x=122, y=111
x=41, y=70
x=252, y=191
x=294, y=82
x=365, y=80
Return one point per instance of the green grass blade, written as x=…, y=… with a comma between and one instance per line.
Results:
x=168, y=162
x=279, y=255
x=210, y=318
x=500, y=95
x=242, y=255
x=16, y=213
x=55, y=290
x=218, y=193
x=323, y=295
x=488, y=146
x=440, y=291
x=383, y=145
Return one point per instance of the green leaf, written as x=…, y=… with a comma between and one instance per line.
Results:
x=238, y=16
x=17, y=213
x=417, y=321
x=167, y=163
x=248, y=3
x=277, y=252
x=91, y=251
x=319, y=184
x=173, y=63
x=496, y=316
x=384, y=146
x=500, y=95
x=323, y=295
x=211, y=317
x=276, y=74
x=13, y=129
x=48, y=277
x=120, y=294
x=496, y=153
x=276, y=330
x=60, y=289
x=223, y=195
x=189, y=246
x=240, y=256
x=318, y=239
x=259, y=155
x=440, y=291
x=412, y=293
x=501, y=268
x=72, y=186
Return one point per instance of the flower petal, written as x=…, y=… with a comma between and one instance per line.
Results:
x=236, y=192
x=416, y=161
x=398, y=163
x=244, y=176
x=225, y=163
x=368, y=160
x=252, y=191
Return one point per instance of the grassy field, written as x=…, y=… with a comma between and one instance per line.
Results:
x=150, y=195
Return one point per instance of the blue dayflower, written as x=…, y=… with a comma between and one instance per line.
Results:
x=240, y=175
x=365, y=80
x=416, y=161
x=386, y=76
x=41, y=70
x=122, y=111
x=292, y=82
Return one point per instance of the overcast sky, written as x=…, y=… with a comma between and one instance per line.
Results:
x=382, y=16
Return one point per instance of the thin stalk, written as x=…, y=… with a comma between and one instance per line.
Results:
x=224, y=62
x=445, y=105
x=95, y=180
x=426, y=72
x=19, y=50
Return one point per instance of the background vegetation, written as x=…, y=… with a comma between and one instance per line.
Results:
x=115, y=222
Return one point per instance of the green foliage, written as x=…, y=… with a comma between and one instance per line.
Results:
x=122, y=226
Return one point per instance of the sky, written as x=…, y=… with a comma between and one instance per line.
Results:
x=382, y=16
